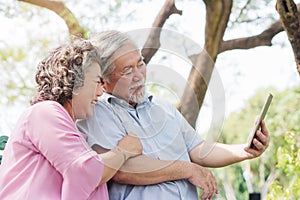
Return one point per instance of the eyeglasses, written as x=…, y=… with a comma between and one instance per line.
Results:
x=128, y=71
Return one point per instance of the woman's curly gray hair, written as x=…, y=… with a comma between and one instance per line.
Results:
x=63, y=70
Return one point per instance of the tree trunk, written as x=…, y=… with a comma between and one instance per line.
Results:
x=289, y=17
x=217, y=16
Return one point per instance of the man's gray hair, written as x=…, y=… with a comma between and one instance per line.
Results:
x=108, y=42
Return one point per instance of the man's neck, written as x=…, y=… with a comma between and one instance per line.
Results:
x=133, y=104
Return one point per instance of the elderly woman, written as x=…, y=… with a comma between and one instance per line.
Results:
x=46, y=156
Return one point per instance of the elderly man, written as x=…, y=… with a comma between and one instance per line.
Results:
x=174, y=156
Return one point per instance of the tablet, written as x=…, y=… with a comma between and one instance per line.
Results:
x=260, y=118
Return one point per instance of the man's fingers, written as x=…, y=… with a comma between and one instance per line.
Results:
x=261, y=137
x=205, y=192
x=264, y=130
x=216, y=190
x=209, y=190
x=212, y=186
x=258, y=144
x=205, y=180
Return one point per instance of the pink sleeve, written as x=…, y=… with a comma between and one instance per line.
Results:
x=55, y=135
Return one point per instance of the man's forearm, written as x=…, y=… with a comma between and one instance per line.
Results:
x=143, y=170
x=217, y=154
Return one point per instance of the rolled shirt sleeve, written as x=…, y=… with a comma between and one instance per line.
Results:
x=191, y=137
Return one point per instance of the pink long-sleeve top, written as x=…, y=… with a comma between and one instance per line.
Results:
x=46, y=157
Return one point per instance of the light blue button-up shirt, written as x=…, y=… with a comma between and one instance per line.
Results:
x=164, y=134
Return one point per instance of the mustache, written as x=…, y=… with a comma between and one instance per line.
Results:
x=137, y=84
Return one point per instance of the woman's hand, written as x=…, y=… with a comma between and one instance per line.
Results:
x=130, y=146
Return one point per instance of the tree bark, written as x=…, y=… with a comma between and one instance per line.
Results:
x=61, y=10
x=289, y=17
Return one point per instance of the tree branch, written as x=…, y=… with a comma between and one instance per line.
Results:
x=153, y=42
x=61, y=10
x=262, y=39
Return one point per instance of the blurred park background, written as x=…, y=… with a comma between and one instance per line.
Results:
x=247, y=71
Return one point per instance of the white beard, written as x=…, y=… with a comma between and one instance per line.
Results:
x=141, y=95
x=139, y=98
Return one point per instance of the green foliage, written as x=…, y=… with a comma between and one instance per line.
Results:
x=281, y=160
x=3, y=141
x=233, y=176
x=16, y=75
x=287, y=185
x=12, y=53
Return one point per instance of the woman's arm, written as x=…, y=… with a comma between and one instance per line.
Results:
x=113, y=160
x=128, y=147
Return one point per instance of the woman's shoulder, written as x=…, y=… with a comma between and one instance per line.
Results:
x=47, y=109
x=47, y=105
